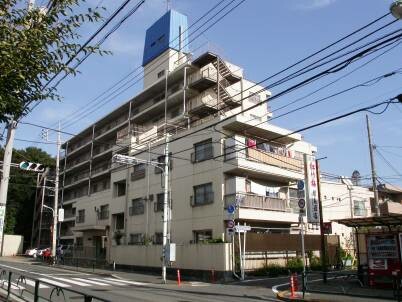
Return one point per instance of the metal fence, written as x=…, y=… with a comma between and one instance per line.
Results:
x=28, y=287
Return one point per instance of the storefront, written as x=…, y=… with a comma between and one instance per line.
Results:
x=378, y=242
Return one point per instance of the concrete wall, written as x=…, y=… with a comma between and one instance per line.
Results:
x=13, y=245
x=188, y=256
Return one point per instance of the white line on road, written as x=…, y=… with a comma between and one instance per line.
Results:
x=50, y=281
x=108, y=281
x=13, y=285
x=92, y=282
x=125, y=281
x=71, y=281
x=32, y=283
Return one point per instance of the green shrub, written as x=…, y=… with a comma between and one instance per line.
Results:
x=315, y=263
x=295, y=265
x=275, y=270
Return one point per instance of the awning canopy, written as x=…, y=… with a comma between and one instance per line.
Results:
x=384, y=220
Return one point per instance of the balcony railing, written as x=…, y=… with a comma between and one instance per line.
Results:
x=273, y=159
x=253, y=201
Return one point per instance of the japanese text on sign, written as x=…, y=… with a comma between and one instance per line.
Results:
x=313, y=213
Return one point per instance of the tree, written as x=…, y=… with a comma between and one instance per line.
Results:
x=35, y=45
x=21, y=195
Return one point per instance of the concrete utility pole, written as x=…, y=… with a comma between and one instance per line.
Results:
x=5, y=177
x=56, y=196
x=373, y=171
x=323, y=250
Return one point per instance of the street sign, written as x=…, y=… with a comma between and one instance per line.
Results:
x=242, y=228
x=300, y=185
x=301, y=194
x=301, y=203
x=230, y=224
x=61, y=215
x=231, y=209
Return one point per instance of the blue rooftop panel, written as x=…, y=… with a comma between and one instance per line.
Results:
x=165, y=34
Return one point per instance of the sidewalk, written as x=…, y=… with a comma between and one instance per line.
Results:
x=318, y=297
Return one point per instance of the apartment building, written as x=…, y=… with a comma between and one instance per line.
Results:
x=117, y=210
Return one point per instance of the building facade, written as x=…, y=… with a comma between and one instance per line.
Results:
x=219, y=154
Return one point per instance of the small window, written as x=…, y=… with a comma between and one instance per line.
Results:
x=81, y=216
x=359, y=208
x=202, y=236
x=158, y=238
x=137, y=239
x=104, y=212
x=161, y=39
x=203, y=151
x=161, y=73
x=119, y=188
x=139, y=172
x=153, y=44
x=159, y=202
x=203, y=194
x=79, y=241
x=137, y=207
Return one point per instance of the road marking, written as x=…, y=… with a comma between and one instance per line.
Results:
x=13, y=285
x=125, y=281
x=17, y=269
x=92, y=282
x=199, y=284
x=32, y=283
x=71, y=281
x=108, y=281
x=50, y=281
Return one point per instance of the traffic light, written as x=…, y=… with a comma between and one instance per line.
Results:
x=28, y=166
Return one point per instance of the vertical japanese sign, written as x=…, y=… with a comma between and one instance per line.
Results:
x=313, y=213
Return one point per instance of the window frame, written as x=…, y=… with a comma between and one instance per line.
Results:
x=207, y=199
x=132, y=211
x=203, y=151
x=196, y=234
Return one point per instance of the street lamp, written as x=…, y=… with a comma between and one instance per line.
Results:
x=396, y=9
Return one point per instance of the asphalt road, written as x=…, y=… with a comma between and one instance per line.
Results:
x=128, y=288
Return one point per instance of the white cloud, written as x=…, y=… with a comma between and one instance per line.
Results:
x=313, y=4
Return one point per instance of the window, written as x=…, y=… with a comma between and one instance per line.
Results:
x=119, y=188
x=203, y=194
x=203, y=151
x=158, y=238
x=104, y=212
x=137, y=207
x=161, y=39
x=202, y=236
x=81, y=216
x=359, y=208
x=137, y=238
x=159, y=202
x=119, y=221
x=139, y=172
x=79, y=241
x=161, y=74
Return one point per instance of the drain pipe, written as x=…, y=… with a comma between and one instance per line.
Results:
x=184, y=97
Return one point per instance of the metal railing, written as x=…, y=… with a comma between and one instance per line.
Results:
x=254, y=201
x=17, y=284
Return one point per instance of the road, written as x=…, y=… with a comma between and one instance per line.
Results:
x=131, y=287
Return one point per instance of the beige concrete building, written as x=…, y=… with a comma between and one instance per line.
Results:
x=116, y=211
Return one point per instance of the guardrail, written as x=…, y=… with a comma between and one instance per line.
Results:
x=16, y=283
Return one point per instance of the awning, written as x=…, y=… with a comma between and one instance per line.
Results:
x=384, y=220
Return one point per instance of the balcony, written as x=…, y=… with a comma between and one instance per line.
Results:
x=203, y=79
x=257, y=202
x=261, y=208
x=206, y=102
x=262, y=164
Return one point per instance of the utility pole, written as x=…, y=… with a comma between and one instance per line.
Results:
x=322, y=235
x=44, y=177
x=5, y=177
x=166, y=238
x=373, y=171
x=56, y=196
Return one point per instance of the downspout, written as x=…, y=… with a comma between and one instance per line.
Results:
x=184, y=97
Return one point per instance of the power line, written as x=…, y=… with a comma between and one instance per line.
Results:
x=84, y=114
x=325, y=48
x=132, y=11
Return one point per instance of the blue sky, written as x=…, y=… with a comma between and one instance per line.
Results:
x=263, y=37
